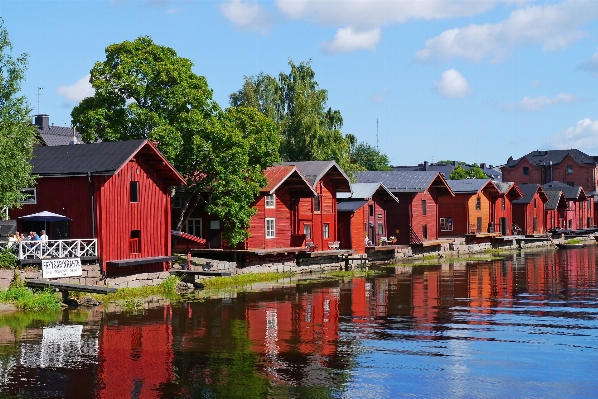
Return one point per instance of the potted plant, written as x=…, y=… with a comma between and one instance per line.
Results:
x=392, y=239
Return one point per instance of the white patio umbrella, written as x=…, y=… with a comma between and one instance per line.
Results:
x=45, y=217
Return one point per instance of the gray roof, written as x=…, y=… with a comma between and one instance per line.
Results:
x=503, y=187
x=528, y=191
x=97, y=158
x=571, y=192
x=446, y=170
x=315, y=170
x=350, y=205
x=365, y=191
x=399, y=182
x=541, y=158
x=57, y=135
x=467, y=185
x=553, y=199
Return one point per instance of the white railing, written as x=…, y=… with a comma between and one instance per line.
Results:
x=58, y=249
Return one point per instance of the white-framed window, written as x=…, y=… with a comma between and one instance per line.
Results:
x=270, y=201
x=326, y=230
x=446, y=224
x=270, y=228
x=380, y=229
x=30, y=196
x=194, y=227
x=307, y=231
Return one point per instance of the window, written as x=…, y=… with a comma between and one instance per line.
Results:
x=379, y=216
x=135, y=241
x=380, y=229
x=30, y=196
x=307, y=231
x=535, y=203
x=478, y=203
x=317, y=203
x=502, y=203
x=371, y=208
x=177, y=200
x=424, y=207
x=589, y=205
x=570, y=183
x=194, y=227
x=270, y=201
x=270, y=227
x=425, y=231
x=569, y=169
x=569, y=204
x=134, y=191
x=525, y=171
x=326, y=230
x=446, y=224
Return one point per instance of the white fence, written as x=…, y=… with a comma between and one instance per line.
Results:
x=58, y=249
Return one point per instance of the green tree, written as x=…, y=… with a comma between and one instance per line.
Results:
x=143, y=90
x=309, y=130
x=474, y=172
x=17, y=134
x=369, y=157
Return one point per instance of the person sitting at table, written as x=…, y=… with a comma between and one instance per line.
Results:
x=33, y=236
x=43, y=237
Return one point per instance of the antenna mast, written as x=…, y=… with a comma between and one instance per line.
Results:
x=38, y=94
x=377, y=148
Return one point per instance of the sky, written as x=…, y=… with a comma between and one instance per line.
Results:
x=424, y=80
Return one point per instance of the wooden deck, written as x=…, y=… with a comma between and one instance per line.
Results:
x=64, y=288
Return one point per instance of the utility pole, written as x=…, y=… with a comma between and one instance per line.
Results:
x=38, y=94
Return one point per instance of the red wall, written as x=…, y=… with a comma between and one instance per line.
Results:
x=523, y=216
x=326, y=189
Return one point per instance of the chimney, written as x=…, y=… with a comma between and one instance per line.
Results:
x=482, y=166
x=455, y=163
x=42, y=121
x=425, y=165
x=74, y=138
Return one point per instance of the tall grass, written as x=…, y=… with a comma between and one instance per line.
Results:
x=26, y=299
x=242, y=279
x=166, y=288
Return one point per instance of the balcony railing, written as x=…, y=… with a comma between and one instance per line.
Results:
x=58, y=249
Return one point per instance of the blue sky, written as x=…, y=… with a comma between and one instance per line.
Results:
x=475, y=80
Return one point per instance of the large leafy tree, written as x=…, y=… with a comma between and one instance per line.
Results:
x=473, y=172
x=17, y=134
x=368, y=157
x=310, y=130
x=144, y=90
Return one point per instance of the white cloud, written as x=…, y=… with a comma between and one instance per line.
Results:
x=369, y=14
x=591, y=64
x=77, y=91
x=536, y=104
x=582, y=136
x=247, y=15
x=380, y=96
x=554, y=26
x=347, y=40
x=452, y=85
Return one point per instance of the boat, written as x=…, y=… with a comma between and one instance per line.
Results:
x=570, y=246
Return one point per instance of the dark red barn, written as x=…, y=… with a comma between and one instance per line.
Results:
x=502, y=207
x=529, y=211
x=117, y=192
x=362, y=215
x=414, y=220
x=318, y=215
x=579, y=213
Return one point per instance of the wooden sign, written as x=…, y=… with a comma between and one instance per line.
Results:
x=67, y=267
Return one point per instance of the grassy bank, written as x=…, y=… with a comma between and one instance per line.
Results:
x=166, y=288
x=25, y=299
x=243, y=279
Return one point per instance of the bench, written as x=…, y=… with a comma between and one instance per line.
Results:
x=65, y=287
x=334, y=245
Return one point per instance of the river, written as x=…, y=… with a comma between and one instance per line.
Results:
x=523, y=326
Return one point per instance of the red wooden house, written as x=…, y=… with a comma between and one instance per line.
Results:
x=318, y=215
x=469, y=211
x=362, y=215
x=529, y=211
x=502, y=207
x=117, y=192
x=556, y=210
x=276, y=223
x=572, y=167
x=579, y=213
x=414, y=219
